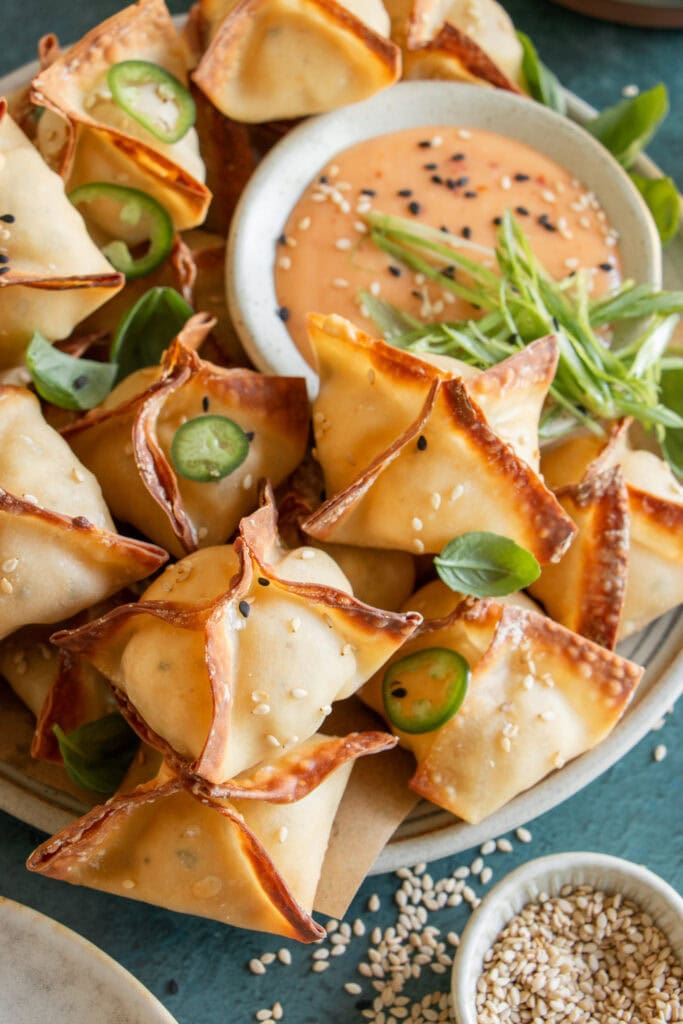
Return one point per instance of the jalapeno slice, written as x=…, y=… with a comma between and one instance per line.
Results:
x=423, y=690
x=137, y=209
x=153, y=97
x=208, y=448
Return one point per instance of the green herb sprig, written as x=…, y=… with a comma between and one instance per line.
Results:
x=98, y=754
x=522, y=302
x=486, y=565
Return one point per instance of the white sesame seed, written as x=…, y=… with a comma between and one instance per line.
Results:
x=485, y=876
x=374, y=903
x=326, y=709
x=418, y=546
x=319, y=966
x=294, y=624
x=358, y=927
x=256, y=967
x=353, y=988
x=278, y=1012
x=273, y=740
x=659, y=753
x=10, y=564
x=506, y=182
x=487, y=848
x=247, y=482
x=464, y=133
x=282, y=834
x=6, y=586
x=304, y=223
x=630, y=90
x=284, y=262
x=476, y=866
x=343, y=244
x=298, y=693
x=267, y=958
x=261, y=709
x=264, y=1014
x=284, y=956
x=417, y=524
x=77, y=476
x=523, y=834
x=340, y=282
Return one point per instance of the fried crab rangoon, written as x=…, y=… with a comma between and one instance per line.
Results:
x=626, y=565
x=248, y=853
x=106, y=144
x=236, y=651
x=54, y=275
x=538, y=696
x=60, y=552
x=414, y=455
x=127, y=442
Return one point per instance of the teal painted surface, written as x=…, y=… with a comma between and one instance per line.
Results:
x=635, y=810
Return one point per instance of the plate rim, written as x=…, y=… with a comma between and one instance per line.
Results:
x=34, y=806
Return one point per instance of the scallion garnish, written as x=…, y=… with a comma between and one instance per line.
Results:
x=522, y=302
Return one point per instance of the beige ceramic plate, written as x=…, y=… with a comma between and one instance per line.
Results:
x=49, y=973
x=428, y=833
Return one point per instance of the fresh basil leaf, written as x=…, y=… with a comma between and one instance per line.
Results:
x=147, y=329
x=664, y=202
x=541, y=83
x=486, y=565
x=66, y=381
x=626, y=128
x=671, y=394
x=98, y=755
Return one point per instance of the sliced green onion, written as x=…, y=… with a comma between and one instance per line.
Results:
x=98, y=755
x=65, y=381
x=486, y=565
x=208, y=448
x=422, y=691
x=147, y=329
x=153, y=97
x=135, y=208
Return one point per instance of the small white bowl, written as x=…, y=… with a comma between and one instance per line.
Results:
x=549, y=874
x=283, y=175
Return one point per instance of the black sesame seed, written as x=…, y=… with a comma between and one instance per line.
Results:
x=80, y=381
x=466, y=232
x=172, y=987
x=250, y=435
x=437, y=180
x=605, y=266
x=417, y=295
x=546, y=223
x=497, y=221
x=282, y=239
x=368, y=192
x=458, y=156
x=421, y=443
x=414, y=208
x=556, y=323
x=395, y=271
x=283, y=313
x=521, y=177
x=323, y=179
x=522, y=211
x=263, y=582
x=430, y=167
x=448, y=272
x=425, y=144
x=4, y=270
x=4, y=258
x=572, y=273
x=444, y=229
x=244, y=608
x=323, y=495
x=399, y=691
x=405, y=192
x=462, y=181
x=205, y=403
x=7, y=218
x=451, y=183
x=470, y=195
x=513, y=339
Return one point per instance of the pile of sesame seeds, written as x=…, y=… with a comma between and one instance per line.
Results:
x=393, y=963
x=583, y=957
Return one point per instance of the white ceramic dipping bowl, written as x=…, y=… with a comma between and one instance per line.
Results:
x=289, y=167
x=549, y=874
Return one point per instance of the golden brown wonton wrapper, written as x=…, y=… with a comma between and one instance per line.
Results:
x=539, y=696
x=60, y=551
x=237, y=651
x=59, y=687
x=127, y=442
x=55, y=276
x=410, y=456
x=385, y=579
x=626, y=566
x=248, y=855
x=106, y=143
x=273, y=59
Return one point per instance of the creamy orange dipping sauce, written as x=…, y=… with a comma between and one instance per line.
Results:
x=461, y=179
